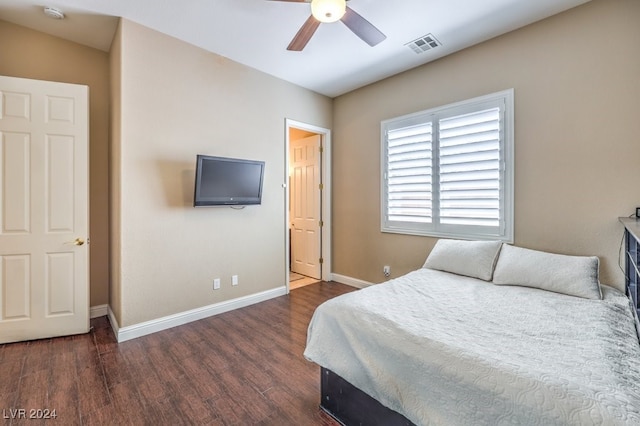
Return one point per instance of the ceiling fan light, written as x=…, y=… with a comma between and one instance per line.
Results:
x=328, y=10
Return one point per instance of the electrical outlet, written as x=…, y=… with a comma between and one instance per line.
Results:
x=386, y=270
x=234, y=280
x=216, y=284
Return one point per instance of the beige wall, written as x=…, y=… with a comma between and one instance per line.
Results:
x=577, y=151
x=30, y=54
x=115, y=64
x=176, y=101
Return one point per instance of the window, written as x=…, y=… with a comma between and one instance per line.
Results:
x=448, y=171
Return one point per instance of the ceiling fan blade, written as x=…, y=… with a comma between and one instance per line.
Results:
x=304, y=34
x=362, y=28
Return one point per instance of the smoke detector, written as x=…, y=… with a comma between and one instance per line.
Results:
x=53, y=13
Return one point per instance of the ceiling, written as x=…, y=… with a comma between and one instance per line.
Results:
x=257, y=32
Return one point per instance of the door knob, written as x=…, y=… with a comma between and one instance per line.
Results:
x=78, y=241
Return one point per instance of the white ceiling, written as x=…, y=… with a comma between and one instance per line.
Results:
x=257, y=32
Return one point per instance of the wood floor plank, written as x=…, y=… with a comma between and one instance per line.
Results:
x=33, y=394
x=63, y=387
x=202, y=379
x=10, y=372
x=243, y=367
x=92, y=390
x=116, y=369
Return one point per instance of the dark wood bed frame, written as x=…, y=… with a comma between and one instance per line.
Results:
x=632, y=259
x=351, y=406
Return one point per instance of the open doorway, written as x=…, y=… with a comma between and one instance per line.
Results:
x=307, y=204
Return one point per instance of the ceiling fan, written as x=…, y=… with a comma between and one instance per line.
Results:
x=332, y=11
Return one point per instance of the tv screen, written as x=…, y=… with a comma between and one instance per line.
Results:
x=227, y=181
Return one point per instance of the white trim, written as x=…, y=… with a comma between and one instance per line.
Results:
x=98, y=311
x=509, y=159
x=114, y=323
x=325, y=134
x=148, y=327
x=353, y=282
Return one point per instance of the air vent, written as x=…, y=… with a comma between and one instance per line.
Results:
x=424, y=43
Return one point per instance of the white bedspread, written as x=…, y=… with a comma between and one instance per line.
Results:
x=448, y=350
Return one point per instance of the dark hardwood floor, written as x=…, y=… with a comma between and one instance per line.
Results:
x=243, y=367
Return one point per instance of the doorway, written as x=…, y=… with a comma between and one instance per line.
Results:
x=308, y=240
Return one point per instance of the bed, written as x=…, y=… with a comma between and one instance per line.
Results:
x=484, y=334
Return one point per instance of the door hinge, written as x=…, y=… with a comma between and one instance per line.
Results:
x=321, y=223
x=321, y=260
x=321, y=186
x=321, y=150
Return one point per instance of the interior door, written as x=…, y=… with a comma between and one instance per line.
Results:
x=44, y=286
x=305, y=199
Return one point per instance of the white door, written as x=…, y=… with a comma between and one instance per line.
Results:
x=44, y=286
x=305, y=206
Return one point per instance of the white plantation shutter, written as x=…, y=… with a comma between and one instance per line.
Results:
x=409, y=174
x=470, y=169
x=449, y=171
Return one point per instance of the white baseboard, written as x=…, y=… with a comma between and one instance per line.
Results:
x=114, y=323
x=353, y=282
x=98, y=311
x=142, y=329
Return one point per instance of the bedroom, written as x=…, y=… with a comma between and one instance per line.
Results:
x=577, y=99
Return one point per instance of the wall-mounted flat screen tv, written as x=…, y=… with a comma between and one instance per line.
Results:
x=224, y=181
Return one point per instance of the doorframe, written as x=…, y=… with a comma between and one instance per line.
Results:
x=325, y=137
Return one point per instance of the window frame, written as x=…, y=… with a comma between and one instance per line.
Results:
x=505, y=101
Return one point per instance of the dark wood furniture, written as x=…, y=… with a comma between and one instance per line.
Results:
x=350, y=406
x=632, y=259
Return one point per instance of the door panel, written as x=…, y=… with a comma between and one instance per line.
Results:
x=44, y=287
x=15, y=297
x=60, y=278
x=59, y=156
x=305, y=206
x=16, y=167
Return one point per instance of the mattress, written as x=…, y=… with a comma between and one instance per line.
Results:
x=444, y=349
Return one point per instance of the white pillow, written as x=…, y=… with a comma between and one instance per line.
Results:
x=474, y=259
x=572, y=275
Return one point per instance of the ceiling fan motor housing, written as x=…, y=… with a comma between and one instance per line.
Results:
x=328, y=10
